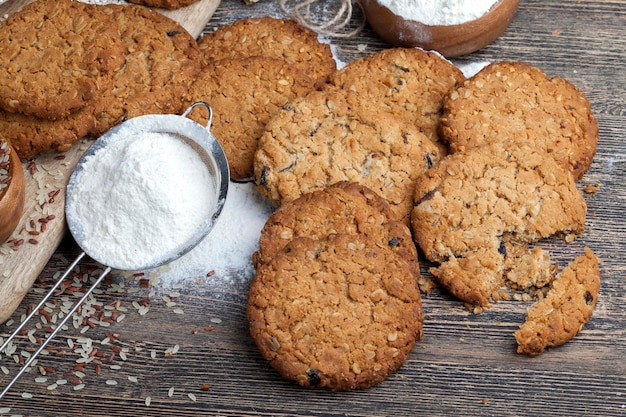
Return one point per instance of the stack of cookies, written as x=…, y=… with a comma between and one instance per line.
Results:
x=518, y=141
x=86, y=69
x=335, y=302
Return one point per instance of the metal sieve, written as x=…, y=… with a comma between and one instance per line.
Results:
x=200, y=139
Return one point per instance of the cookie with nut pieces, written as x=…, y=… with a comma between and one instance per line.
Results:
x=271, y=37
x=323, y=138
x=56, y=57
x=565, y=310
x=409, y=83
x=339, y=313
x=345, y=208
x=244, y=94
x=473, y=202
x=161, y=62
x=514, y=102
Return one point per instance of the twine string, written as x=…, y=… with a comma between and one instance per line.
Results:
x=335, y=26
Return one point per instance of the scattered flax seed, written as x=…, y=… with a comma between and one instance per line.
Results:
x=485, y=401
x=205, y=387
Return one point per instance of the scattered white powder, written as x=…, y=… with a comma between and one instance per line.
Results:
x=439, y=12
x=470, y=69
x=228, y=249
x=141, y=199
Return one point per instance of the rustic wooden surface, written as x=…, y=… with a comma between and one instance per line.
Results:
x=466, y=364
x=45, y=183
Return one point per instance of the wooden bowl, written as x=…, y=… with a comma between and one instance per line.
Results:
x=12, y=196
x=450, y=41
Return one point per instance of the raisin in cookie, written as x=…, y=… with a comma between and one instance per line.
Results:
x=275, y=38
x=321, y=139
x=244, y=93
x=56, y=56
x=473, y=202
x=565, y=310
x=161, y=62
x=513, y=102
x=407, y=82
x=340, y=313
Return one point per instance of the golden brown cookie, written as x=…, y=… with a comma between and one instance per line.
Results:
x=166, y=4
x=473, y=202
x=161, y=62
x=565, y=310
x=271, y=37
x=31, y=136
x=407, y=82
x=345, y=208
x=56, y=56
x=321, y=139
x=340, y=313
x=244, y=93
x=514, y=102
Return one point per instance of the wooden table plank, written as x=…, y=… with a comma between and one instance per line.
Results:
x=466, y=364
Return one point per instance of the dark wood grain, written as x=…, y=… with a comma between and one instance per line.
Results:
x=465, y=365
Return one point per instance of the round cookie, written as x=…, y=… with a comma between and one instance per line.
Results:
x=161, y=62
x=340, y=313
x=472, y=202
x=342, y=208
x=566, y=308
x=275, y=38
x=514, y=102
x=244, y=93
x=321, y=139
x=166, y=4
x=31, y=136
x=407, y=82
x=57, y=68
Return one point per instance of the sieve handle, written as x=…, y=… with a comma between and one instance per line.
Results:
x=208, y=107
x=58, y=327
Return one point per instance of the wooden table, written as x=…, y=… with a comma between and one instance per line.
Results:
x=465, y=365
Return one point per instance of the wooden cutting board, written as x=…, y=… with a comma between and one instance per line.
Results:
x=42, y=227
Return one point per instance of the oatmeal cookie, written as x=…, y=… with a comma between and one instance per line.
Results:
x=565, y=310
x=346, y=208
x=470, y=204
x=275, y=38
x=165, y=4
x=244, y=93
x=30, y=136
x=340, y=313
x=407, y=82
x=513, y=102
x=161, y=62
x=56, y=56
x=321, y=139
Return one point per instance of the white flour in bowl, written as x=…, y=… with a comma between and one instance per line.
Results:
x=439, y=12
x=141, y=199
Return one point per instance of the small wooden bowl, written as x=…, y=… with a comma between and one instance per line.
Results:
x=12, y=197
x=450, y=41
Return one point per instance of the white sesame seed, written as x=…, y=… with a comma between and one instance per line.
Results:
x=132, y=378
x=27, y=395
x=79, y=387
x=192, y=397
x=148, y=400
x=170, y=392
x=111, y=382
